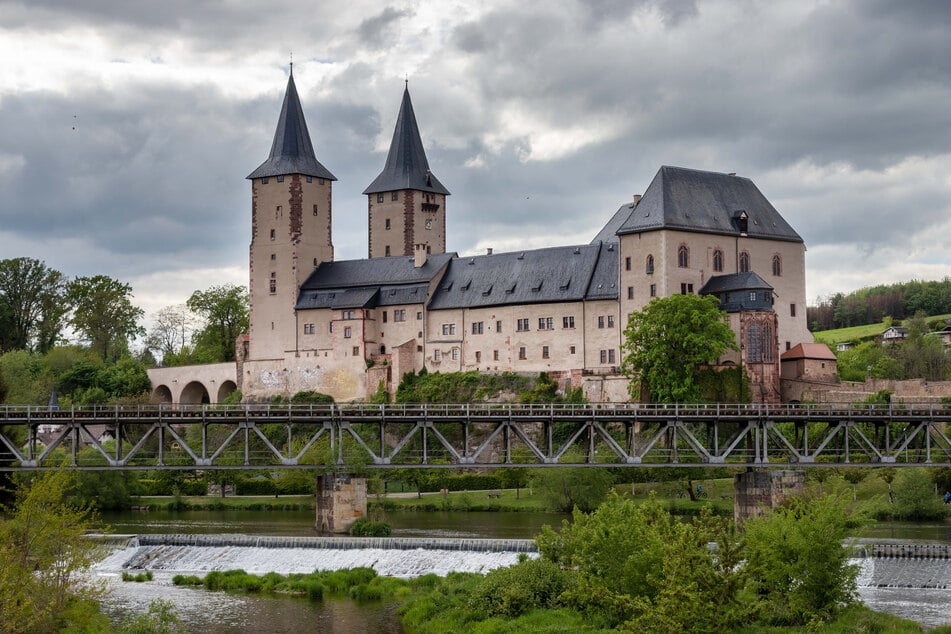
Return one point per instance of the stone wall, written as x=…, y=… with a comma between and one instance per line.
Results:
x=341, y=500
x=757, y=491
x=914, y=390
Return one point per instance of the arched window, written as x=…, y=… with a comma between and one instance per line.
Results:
x=683, y=257
x=718, y=260
x=744, y=262
x=650, y=265
x=777, y=265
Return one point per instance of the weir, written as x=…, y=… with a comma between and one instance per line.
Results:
x=390, y=556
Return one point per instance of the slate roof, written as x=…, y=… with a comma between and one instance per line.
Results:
x=748, y=281
x=406, y=165
x=556, y=274
x=609, y=232
x=705, y=202
x=370, y=283
x=292, y=151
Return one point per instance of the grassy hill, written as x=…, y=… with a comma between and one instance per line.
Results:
x=857, y=333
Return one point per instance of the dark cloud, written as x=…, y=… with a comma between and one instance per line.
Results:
x=379, y=31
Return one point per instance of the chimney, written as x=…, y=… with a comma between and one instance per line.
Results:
x=637, y=199
x=419, y=255
x=488, y=251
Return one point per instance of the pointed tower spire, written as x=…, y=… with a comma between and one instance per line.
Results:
x=406, y=165
x=291, y=151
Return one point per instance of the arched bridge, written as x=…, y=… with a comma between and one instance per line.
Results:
x=193, y=384
x=364, y=436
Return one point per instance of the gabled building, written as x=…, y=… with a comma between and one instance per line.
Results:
x=344, y=327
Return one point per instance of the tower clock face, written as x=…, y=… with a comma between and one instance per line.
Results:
x=429, y=224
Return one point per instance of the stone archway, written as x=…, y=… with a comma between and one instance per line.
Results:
x=226, y=389
x=194, y=394
x=162, y=394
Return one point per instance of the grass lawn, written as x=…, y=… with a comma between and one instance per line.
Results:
x=857, y=333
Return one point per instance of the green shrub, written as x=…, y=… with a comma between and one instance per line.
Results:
x=531, y=584
x=310, y=396
x=365, y=527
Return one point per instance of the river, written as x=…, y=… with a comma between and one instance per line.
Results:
x=214, y=613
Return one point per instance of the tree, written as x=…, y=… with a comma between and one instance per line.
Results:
x=666, y=342
x=225, y=313
x=104, y=315
x=171, y=330
x=44, y=552
x=32, y=305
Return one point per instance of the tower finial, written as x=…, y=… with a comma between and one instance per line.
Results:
x=406, y=79
x=292, y=63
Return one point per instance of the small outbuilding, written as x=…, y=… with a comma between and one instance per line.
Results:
x=810, y=362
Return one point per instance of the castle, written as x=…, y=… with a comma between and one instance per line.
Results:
x=343, y=327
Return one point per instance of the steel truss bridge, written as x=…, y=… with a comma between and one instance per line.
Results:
x=366, y=436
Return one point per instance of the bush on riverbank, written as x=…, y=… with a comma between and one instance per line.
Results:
x=365, y=527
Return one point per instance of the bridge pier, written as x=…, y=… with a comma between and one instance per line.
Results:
x=341, y=500
x=757, y=491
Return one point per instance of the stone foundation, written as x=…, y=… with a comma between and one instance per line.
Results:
x=757, y=491
x=341, y=500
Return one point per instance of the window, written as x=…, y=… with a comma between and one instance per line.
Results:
x=686, y=289
x=744, y=262
x=653, y=290
x=495, y=355
x=273, y=233
x=600, y=321
x=273, y=257
x=611, y=355
x=379, y=198
x=718, y=260
x=498, y=326
x=448, y=329
x=320, y=181
x=419, y=315
x=604, y=357
x=478, y=357
x=356, y=351
x=331, y=326
x=437, y=355
x=315, y=210
x=683, y=257
x=777, y=266
x=273, y=283
x=347, y=332
x=387, y=253
x=649, y=268
x=544, y=352
x=384, y=316
x=546, y=323
x=521, y=353
x=395, y=196
x=568, y=322
x=278, y=212
x=792, y=310
x=477, y=327
x=455, y=354
x=386, y=225
x=348, y=314
x=310, y=179
x=280, y=178
x=610, y=321
x=627, y=263
x=264, y=181
x=759, y=342
x=522, y=325
x=309, y=329
x=399, y=314
x=571, y=349
x=630, y=292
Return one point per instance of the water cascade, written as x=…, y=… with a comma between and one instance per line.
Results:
x=390, y=556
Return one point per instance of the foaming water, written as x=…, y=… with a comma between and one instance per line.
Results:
x=388, y=557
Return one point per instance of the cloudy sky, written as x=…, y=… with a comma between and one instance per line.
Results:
x=126, y=131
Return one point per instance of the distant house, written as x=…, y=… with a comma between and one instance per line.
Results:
x=809, y=361
x=894, y=334
x=945, y=333
x=842, y=346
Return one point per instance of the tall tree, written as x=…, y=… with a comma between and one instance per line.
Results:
x=32, y=305
x=104, y=315
x=171, y=330
x=225, y=312
x=666, y=342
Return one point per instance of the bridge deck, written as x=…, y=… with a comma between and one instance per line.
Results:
x=472, y=435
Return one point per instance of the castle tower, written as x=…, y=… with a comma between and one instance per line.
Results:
x=406, y=203
x=290, y=229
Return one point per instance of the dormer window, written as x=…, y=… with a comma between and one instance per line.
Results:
x=742, y=222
